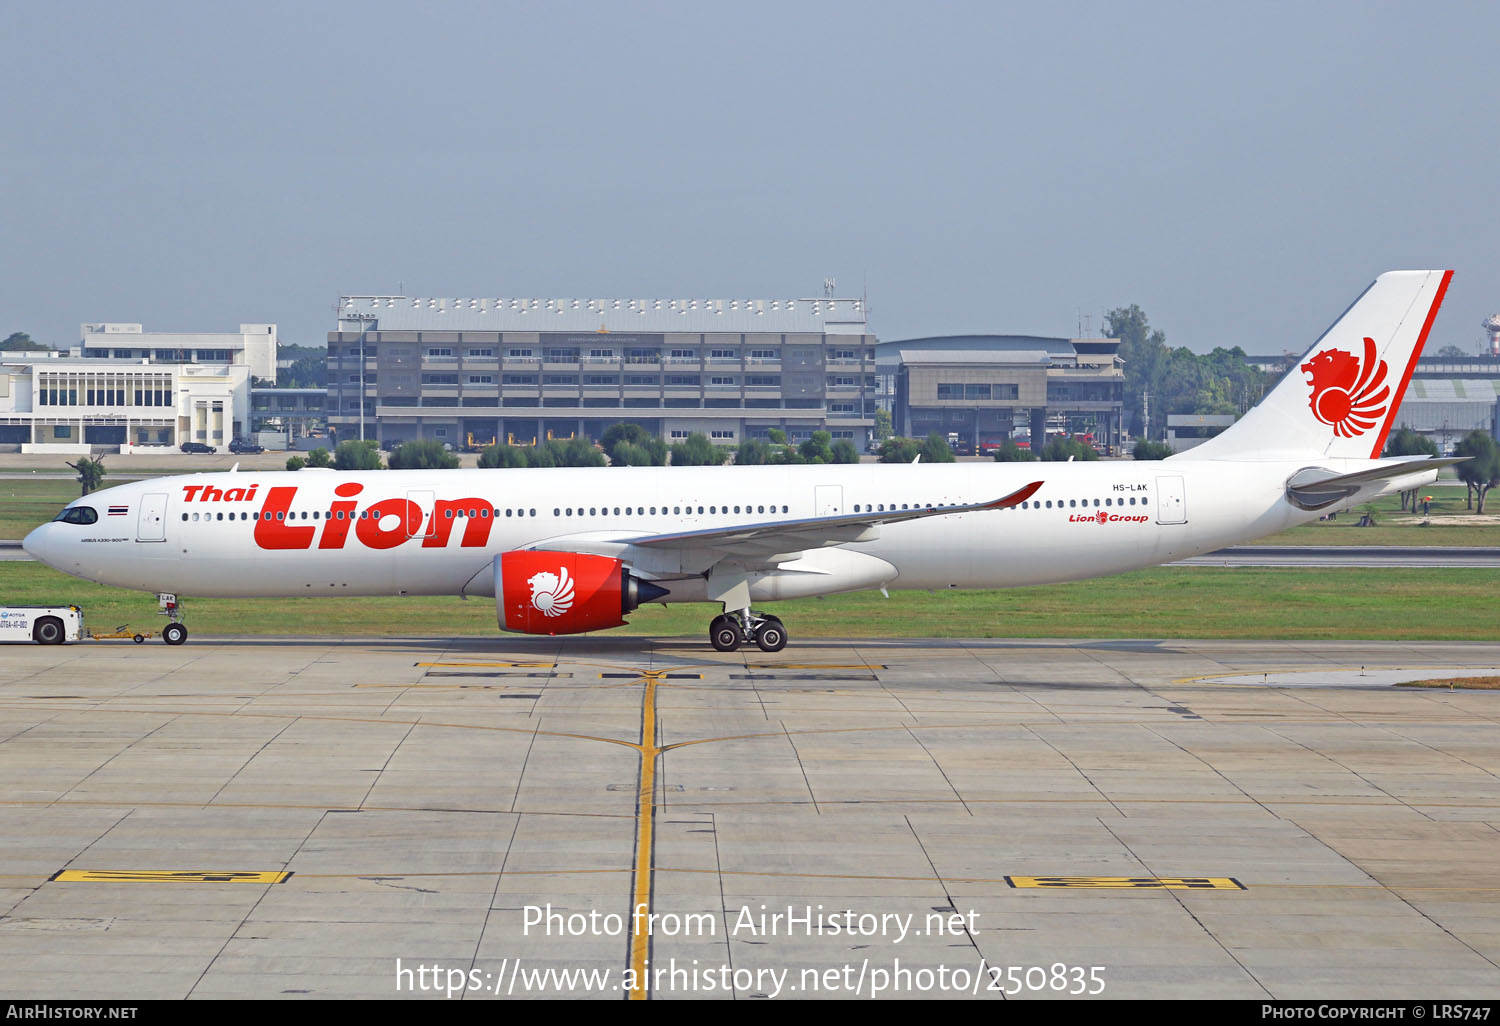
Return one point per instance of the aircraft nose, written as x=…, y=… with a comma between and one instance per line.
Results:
x=35, y=543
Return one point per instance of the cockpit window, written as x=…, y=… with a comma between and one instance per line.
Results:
x=78, y=515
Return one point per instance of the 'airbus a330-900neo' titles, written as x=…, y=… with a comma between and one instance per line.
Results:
x=564, y=551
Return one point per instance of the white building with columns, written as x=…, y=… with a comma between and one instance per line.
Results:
x=73, y=406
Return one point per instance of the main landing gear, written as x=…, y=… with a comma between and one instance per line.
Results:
x=730, y=630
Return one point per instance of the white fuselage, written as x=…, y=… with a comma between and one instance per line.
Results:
x=437, y=532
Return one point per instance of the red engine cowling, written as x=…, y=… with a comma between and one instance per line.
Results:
x=565, y=592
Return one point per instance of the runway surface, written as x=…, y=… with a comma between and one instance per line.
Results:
x=1437, y=556
x=289, y=817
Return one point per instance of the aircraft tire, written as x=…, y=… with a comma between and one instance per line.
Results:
x=724, y=634
x=772, y=635
x=174, y=634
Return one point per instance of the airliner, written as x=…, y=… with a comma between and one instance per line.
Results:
x=567, y=551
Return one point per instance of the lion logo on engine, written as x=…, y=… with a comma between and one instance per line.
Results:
x=552, y=594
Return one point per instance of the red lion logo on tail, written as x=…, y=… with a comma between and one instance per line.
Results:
x=1348, y=394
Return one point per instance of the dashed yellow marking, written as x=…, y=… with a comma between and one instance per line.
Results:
x=544, y=665
x=816, y=666
x=166, y=876
x=1162, y=883
x=1213, y=677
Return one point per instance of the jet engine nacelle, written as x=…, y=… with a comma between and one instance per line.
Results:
x=538, y=592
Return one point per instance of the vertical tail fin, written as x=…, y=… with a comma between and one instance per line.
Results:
x=1341, y=398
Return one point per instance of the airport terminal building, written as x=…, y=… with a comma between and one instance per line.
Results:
x=469, y=371
x=987, y=388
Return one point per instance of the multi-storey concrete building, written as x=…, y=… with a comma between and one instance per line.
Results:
x=254, y=346
x=986, y=388
x=476, y=370
x=70, y=405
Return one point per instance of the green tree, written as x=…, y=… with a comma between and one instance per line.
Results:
x=1059, y=450
x=308, y=369
x=623, y=431
x=1406, y=442
x=697, y=451
x=817, y=449
x=19, y=342
x=899, y=450
x=575, y=452
x=845, y=452
x=1178, y=380
x=776, y=436
x=423, y=455
x=935, y=449
x=1144, y=352
x=319, y=457
x=882, y=425
x=1145, y=449
x=90, y=473
x=752, y=453
x=494, y=457
x=357, y=455
x=295, y=463
x=1481, y=471
x=1010, y=452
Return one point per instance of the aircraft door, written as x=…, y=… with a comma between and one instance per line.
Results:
x=1171, y=501
x=151, y=522
x=828, y=500
x=427, y=503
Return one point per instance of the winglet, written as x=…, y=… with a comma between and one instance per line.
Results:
x=1015, y=498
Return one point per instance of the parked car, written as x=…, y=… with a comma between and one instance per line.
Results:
x=196, y=447
x=240, y=446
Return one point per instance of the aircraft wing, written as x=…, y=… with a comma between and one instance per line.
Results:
x=759, y=540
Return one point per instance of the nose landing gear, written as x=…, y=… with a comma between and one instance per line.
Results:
x=730, y=630
x=174, y=633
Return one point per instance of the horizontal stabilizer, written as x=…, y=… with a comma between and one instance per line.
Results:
x=1314, y=488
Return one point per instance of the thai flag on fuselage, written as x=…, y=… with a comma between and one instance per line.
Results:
x=118, y=511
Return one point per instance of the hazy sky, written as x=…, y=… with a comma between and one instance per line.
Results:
x=1240, y=171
